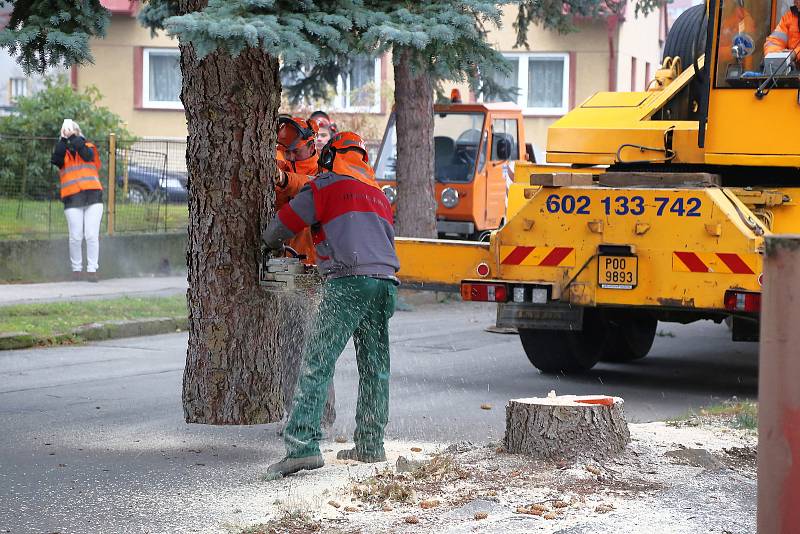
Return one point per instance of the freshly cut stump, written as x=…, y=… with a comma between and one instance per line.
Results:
x=566, y=426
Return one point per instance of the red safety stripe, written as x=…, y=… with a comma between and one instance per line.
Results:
x=517, y=255
x=735, y=263
x=555, y=257
x=291, y=219
x=348, y=196
x=693, y=262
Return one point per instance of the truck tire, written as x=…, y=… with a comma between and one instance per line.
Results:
x=566, y=351
x=683, y=39
x=630, y=337
x=687, y=40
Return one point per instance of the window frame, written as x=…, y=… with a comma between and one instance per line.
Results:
x=341, y=100
x=15, y=81
x=156, y=104
x=524, y=59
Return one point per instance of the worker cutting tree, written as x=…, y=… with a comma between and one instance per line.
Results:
x=352, y=227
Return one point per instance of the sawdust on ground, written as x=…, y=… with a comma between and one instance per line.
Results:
x=669, y=479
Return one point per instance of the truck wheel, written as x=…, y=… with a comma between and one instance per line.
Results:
x=566, y=351
x=687, y=40
x=630, y=337
x=687, y=37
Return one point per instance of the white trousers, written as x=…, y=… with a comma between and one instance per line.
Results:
x=84, y=223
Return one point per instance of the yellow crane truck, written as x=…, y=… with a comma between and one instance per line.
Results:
x=663, y=207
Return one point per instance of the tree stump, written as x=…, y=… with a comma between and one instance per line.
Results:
x=566, y=426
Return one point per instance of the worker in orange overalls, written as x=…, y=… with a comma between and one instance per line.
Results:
x=297, y=164
x=786, y=35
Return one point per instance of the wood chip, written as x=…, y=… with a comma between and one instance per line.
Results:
x=416, y=449
x=549, y=515
x=334, y=504
x=387, y=508
x=486, y=406
x=412, y=519
x=481, y=515
x=350, y=509
x=594, y=470
x=538, y=507
x=560, y=504
x=426, y=505
x=340, y=439
x=604, y=508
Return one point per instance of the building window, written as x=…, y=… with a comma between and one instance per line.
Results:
x=359, y=90
x=634, y=68
x=161, y=78
x=542, y=82
x=17, y=87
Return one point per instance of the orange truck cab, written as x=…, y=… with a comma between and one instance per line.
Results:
x=475, y=147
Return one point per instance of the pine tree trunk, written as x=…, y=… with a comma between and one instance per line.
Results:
x=233, y=363
x=416, y=203
x=566, y=427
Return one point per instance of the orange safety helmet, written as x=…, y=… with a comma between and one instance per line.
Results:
x=346, y=154
x=319, y=114
x=294, y=130
x=342, y=142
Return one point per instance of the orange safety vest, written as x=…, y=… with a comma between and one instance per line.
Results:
x=786, y=34
x=77, y=175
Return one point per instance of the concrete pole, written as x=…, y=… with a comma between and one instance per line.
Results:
x=779, y=389
x=112, y=181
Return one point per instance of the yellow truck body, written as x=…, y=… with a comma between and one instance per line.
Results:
x=660, y=215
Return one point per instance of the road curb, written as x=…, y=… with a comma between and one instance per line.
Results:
x=97, y=332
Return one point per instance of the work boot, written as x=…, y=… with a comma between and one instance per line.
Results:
x=288, y=466
x=77, y=276
x=92, y=277
x=352, y=454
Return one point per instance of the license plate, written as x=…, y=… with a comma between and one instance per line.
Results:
x=618, y=272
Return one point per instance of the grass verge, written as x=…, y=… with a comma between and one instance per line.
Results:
x=50, y=321
x=21, y=219
x=734, y=413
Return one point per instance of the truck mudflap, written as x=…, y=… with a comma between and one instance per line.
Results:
x=670, y=247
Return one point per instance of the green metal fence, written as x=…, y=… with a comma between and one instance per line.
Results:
x=149, y=193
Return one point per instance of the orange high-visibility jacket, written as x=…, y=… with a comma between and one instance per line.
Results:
x=78, y=175
x=786, y=34
x=298, y=173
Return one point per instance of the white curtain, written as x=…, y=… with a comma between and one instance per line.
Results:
x=165, y=77
x=545, y=83
x=510, y=80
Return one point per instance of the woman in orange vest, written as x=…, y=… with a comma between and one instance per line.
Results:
x=78, y=163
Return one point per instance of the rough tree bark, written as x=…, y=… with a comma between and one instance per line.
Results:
x=416, y=201
x=233, y=369
x=566, y=427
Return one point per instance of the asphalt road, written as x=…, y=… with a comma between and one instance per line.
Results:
x=93, y=438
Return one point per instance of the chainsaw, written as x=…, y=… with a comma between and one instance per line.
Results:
x=279, y=272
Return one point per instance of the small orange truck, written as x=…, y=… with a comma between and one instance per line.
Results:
x=474, y=146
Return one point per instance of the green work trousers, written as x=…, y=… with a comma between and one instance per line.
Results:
x=359, y=307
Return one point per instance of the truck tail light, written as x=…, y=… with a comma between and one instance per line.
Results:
x=742, y=301
x=484, y=291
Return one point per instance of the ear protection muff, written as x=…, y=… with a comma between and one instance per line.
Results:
x=326, y=156
x=305, y=133
x=341, y=142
